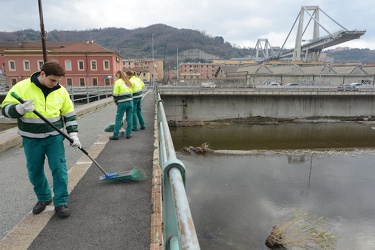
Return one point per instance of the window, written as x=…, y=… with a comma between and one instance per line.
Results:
x=81, y=81
x=94, y=81
x=106, y=65
x=81, y=65
x=68, y=65
x=69, y=82
x=12, y=65
x=107, y=82
x=26, y=65
x=93, y=65
x=40, y=65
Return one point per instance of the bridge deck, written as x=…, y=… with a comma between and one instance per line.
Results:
x=103, y=215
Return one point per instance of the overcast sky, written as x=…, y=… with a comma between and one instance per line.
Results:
x=239, y=22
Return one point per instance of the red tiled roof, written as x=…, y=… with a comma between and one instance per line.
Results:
x=80, y=47
x=31, y=45
x=140, y=70
x=58, y=47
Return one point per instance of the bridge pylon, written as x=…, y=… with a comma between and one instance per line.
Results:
x=265, y=47
x=309, y=50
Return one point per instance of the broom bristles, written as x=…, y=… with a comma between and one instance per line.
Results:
x=131, y=175
x=109, y=128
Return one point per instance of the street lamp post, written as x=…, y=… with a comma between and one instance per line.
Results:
x=42, y=32
x=153, y=61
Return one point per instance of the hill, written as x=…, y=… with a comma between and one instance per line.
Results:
x=137, y=43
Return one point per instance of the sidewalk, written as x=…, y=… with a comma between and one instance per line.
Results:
x=104, y=215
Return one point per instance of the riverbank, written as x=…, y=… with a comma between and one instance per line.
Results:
x=259, y=120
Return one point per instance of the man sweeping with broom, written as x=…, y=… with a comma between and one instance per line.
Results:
x=43, y=92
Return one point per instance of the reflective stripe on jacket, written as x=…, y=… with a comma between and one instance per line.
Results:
x=57, y=107
x=121, y=92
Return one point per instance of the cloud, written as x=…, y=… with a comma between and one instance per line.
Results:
x=240, y=22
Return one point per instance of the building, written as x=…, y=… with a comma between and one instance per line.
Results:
x=85, y=63
x=144, y=68
x=193, y=71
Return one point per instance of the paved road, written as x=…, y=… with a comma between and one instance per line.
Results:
x=103, y=215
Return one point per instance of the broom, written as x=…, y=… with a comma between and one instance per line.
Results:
x=133, y=175
x=111, y=127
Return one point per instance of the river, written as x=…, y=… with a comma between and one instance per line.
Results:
x=259, y=174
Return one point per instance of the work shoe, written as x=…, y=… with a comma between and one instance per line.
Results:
x=62, y=211
x=113, y=138
x=143, y=128
x=41, y=206
x=128, y=136
x=134, y=129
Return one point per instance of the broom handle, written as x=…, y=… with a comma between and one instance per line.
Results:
x=15, y=95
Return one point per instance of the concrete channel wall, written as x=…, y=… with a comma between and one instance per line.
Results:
x=215, y=105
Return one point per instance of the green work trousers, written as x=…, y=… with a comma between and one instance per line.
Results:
x=36, y=151
x=137, y=114
x=123, y=107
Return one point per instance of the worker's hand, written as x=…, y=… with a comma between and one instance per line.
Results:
x=25, y=107
x=74, y=137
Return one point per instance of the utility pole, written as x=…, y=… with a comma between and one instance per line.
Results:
x=42, y=32
x=153, y=62
x=177, y=65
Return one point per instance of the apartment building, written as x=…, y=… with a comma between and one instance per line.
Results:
x=85, y=63
x=192, y=71
x=145, y=69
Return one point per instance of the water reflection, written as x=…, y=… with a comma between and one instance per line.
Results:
x=236, y=199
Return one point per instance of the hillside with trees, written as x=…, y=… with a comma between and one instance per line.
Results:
x=137, y=43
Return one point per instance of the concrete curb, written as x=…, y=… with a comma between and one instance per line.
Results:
x=157, y=241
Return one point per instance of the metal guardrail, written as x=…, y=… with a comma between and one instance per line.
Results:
x=89, y=93
x=179, y=230
x=300, y=88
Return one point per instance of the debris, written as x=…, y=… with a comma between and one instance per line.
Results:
x=301, y=230
x=204, y=148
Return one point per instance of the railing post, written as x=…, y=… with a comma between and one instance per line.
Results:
x=87, y=94
x=72, y=93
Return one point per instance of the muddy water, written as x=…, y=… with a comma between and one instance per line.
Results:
x=324, y=169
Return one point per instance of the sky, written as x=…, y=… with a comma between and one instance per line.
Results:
x=239, y=22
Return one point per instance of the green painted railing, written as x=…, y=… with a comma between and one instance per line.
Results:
x=179, y=230
x=89, y=93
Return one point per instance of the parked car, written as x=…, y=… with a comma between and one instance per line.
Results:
x=273, y=84
x=292, y=84
x=208, y=85
x=356, y=86
x=4, y=87
x=344, y=87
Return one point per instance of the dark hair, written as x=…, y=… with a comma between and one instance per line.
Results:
x=53, y=68
x=130, y=73
x=125, y=78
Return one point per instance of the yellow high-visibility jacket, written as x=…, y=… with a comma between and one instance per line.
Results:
x=121, y=92
x=138, y=85
x=57, y=107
